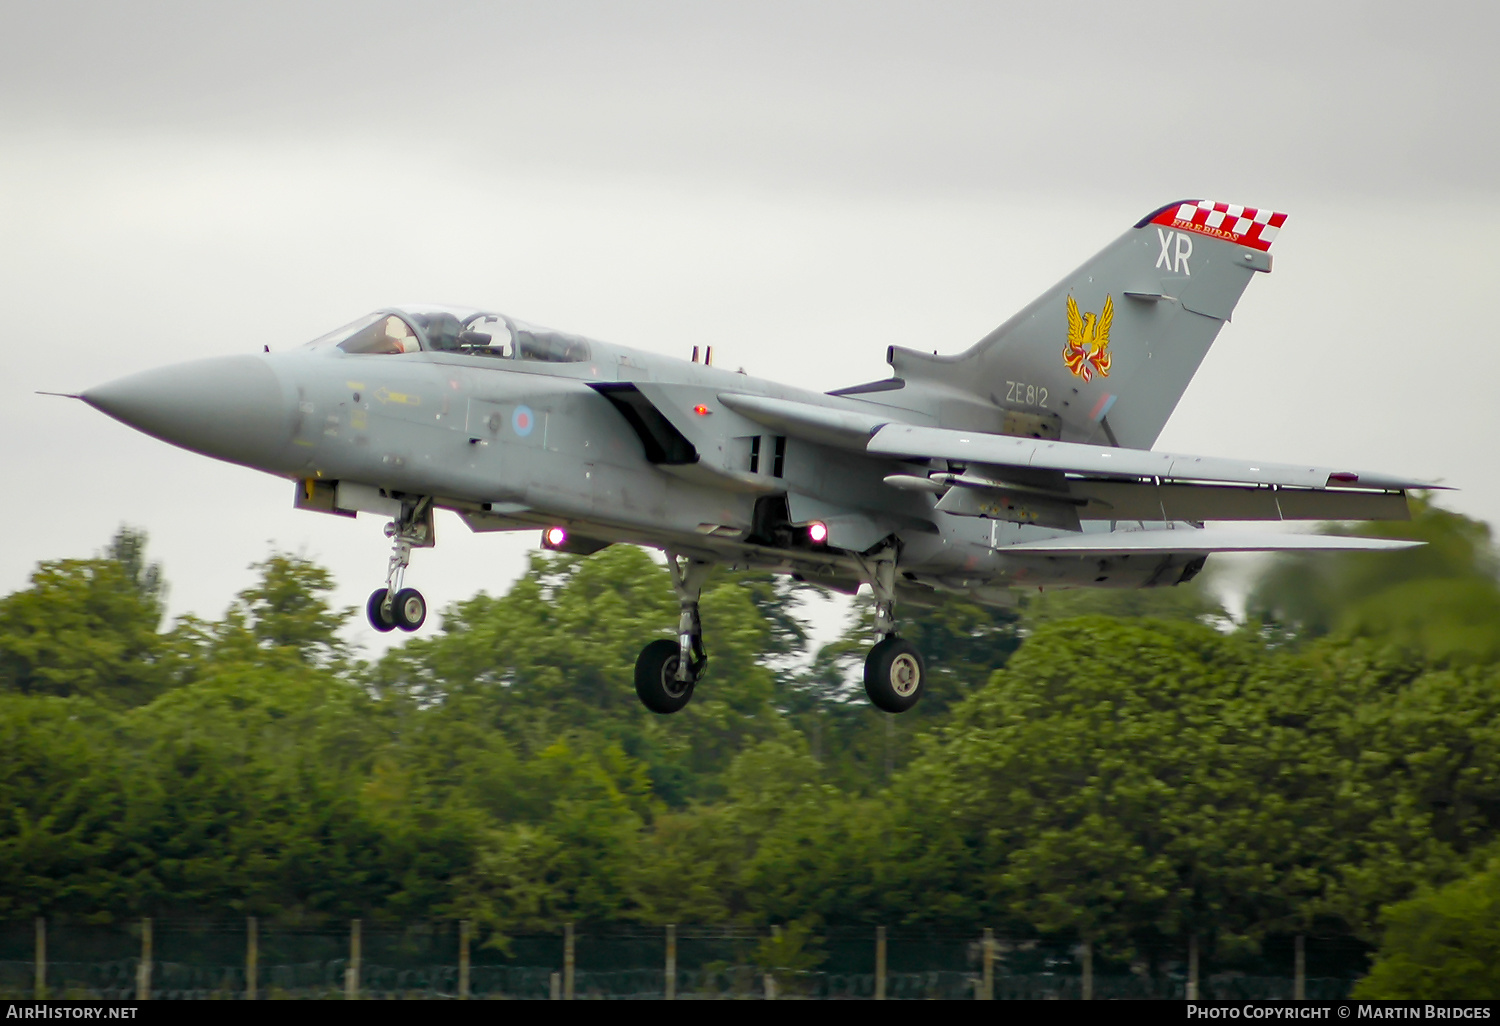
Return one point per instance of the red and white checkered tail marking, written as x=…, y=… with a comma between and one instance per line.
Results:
x=1231, y=222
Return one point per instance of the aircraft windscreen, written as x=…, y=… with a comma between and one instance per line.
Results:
x=486, y=334
x=493, y=335
x=533, y=343
x=374, y=333
x=455, y=330
x=458, y=330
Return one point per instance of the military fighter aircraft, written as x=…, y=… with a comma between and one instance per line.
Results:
x=1023, y=462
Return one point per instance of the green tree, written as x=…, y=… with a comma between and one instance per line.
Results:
x=285, y=615
x=128, y=548
x=1124, y=780
x=1192, y=601
x=1441, y=598
x=1442, y=944
x=581, y=860
x=807, y=847
x=962, y=642
x=775, y=597
x=283, y=620
x=61, y=801
x=87, y=627
x=555, y=658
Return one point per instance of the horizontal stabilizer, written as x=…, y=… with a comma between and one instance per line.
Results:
x=1191, y=540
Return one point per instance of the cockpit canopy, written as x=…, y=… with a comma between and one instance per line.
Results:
x=454, y=330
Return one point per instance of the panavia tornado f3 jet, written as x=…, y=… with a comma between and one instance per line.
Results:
x=1024, y=461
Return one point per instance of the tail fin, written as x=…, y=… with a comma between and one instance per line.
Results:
x=1105, y=355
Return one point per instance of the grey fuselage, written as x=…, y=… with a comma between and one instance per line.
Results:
x=512, y=443
x=1025, y=460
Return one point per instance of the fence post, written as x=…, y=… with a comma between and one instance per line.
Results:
x=1192, y=980
x=879, y=963
x=671, y=981
x=1088, y=970
x=41, y=958
x=568, y=962
x=252, y=956
x=554, y=987
x=143, y=970
x=463, y=960
x=1299, y=971
x=987, y=986
x=351, y=974
x=775, y=950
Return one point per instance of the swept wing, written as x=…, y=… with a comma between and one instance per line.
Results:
x=1058, y=484
x=1192, y=540
x=1102, y=461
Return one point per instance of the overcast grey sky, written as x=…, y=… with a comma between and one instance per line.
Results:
x=798, y=184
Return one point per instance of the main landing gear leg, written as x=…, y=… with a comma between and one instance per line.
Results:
x=396, y=605
x=666, y=670
x=894, y=671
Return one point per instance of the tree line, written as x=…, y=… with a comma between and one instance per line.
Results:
x=1119, y=768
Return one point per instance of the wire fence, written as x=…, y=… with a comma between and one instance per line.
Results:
x=443, y=961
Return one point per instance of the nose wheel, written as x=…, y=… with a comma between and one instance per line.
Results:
x=666, y=670
x=407, y=609
x=396, y=605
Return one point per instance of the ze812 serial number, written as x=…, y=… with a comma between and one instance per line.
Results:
x=1021, y=392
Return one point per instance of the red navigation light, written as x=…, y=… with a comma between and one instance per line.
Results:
x=554, y=537
x=817, y=532
x=701, y=410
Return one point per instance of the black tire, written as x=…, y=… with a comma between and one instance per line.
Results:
x=409, y=610
x=378, y=610
x=656, y=682
x=894, y=675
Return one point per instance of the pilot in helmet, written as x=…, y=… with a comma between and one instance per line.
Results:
x=398, y=337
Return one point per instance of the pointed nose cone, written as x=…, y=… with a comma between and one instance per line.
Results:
x=230, y=407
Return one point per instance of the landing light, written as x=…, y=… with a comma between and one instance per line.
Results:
x=554, y=536
x=817, y=532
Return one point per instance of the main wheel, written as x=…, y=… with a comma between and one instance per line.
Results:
x=656, y=680
x=378, y=609
x=409, y=610
x=894, y=675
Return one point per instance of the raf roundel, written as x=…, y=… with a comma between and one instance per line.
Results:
x=523, y=420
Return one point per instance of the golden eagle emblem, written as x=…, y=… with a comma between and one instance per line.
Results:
x=1088, y=340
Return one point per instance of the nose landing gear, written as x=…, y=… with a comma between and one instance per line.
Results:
x=396, y=605
x=894, y=670
x=666, y=670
